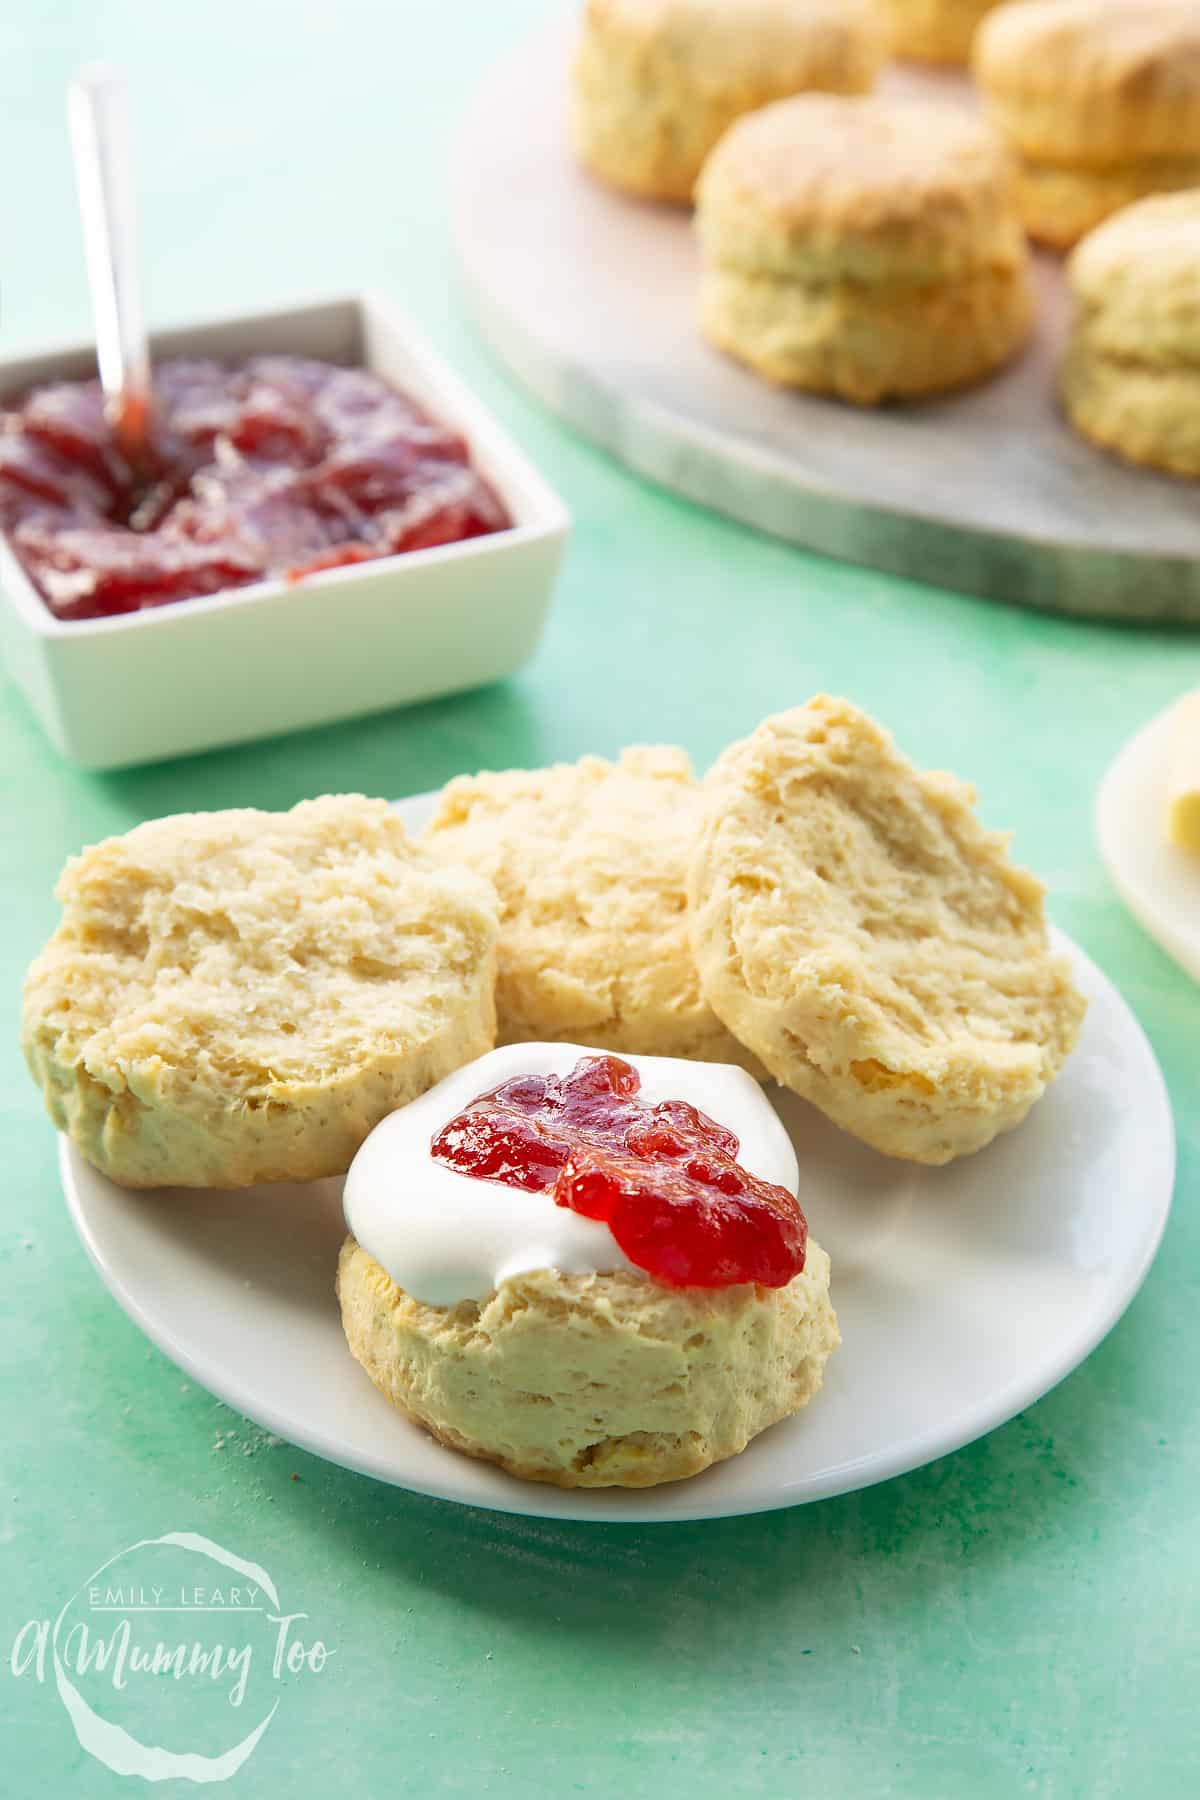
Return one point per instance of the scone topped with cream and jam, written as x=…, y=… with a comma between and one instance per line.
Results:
x=592, y=1270
x=238, y=997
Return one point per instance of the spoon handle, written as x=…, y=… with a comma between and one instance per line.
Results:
x=102, y=147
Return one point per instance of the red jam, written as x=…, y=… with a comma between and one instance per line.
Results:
x=281, y=467
x=664, y=1179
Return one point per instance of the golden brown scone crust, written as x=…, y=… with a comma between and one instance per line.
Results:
x=842, y=338
x=239, y=997
x=936, y=31
x=867, y=248
x=658, y=81
x=606, y=1380
x=1093, y=81
x=871, y=941
x=1060, y=204
x=1136, y=282
x=1131, y=375
x=589, y=861
x=881, y=191
x=1145, y=414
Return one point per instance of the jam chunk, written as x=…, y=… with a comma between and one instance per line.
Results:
x=665, y=1179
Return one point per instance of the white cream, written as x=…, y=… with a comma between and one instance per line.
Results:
x=443, y=1236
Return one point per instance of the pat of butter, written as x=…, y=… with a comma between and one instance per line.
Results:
x=1183, y=786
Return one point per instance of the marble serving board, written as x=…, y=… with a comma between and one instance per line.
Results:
x=590, y=298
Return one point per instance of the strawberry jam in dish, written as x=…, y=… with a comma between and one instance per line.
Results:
x=664, y=1178
x=279, y=468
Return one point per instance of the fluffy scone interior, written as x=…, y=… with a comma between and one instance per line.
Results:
x=605, y=1380
x=856, y=925
x=240, y=997
x=589, y=860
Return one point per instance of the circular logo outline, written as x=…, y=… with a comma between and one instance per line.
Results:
x=117, y=1748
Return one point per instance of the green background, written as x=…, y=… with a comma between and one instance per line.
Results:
x=1017, y=1619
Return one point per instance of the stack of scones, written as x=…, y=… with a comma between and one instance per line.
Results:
x=874, y=248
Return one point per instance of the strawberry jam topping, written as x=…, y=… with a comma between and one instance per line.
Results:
x=280, y=468
x=665, y=1179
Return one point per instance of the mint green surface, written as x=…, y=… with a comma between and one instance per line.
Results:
x=1018, y=1619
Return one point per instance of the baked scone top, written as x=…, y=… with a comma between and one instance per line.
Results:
x=589, y=861
x=871, y=940
x=726, y=44
x=1137, y=279
x=1102, y=80
x=865, y=189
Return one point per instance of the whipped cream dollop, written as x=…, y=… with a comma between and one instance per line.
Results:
x=444, y=1236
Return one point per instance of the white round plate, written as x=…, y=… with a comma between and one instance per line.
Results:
x=1159, y=883
x=963, y=1293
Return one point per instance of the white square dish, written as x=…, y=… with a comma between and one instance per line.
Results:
x=278, y=655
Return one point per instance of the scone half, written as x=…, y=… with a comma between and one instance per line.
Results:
x=857, y=926
x=239, y=997
x=589, y=861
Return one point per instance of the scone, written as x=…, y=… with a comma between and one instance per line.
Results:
x=936, y=31
x=557, y=1265
x=658, y=81
x=1100, y=99
x=867, y=248
x=589, y=860
x=639, y=1384
x=1131, y=373
x=858, y=928
x=238, y=997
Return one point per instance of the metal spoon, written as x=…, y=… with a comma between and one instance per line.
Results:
x=102, y=148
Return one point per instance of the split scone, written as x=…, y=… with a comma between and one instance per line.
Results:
x=237, y=997
x=936, y=31
x=589, y=861
x=594, y=1272
x=1101, y=101
x=861, y=931
x=658, y=81
x=1130, y=378
x=866, y=248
